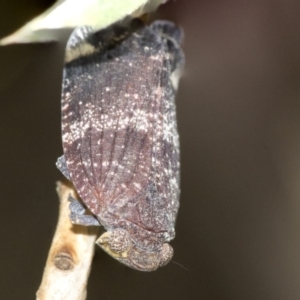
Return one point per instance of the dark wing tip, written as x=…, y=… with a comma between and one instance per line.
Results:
x=168, y=29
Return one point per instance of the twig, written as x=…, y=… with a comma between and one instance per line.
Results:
x=69, y=259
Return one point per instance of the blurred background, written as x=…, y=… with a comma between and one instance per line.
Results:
x=238, y=112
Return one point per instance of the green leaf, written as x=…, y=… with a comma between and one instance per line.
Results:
x=72, y=13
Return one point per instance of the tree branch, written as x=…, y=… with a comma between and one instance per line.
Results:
x=70, y=256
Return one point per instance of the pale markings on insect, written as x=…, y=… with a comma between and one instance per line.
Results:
x=120, y=139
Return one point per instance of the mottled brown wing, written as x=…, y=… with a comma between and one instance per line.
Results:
x=120, y=138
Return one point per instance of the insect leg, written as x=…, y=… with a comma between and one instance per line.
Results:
x=62, y=166
x=77, y=215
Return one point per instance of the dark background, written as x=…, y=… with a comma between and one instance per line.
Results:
x=238, y=111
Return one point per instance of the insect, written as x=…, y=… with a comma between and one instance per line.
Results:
x=120, y=139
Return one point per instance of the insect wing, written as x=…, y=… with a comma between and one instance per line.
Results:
x=119, y=128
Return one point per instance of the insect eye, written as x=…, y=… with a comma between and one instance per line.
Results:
x=166, y=254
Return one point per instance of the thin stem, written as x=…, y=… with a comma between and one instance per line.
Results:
x=69, y=260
